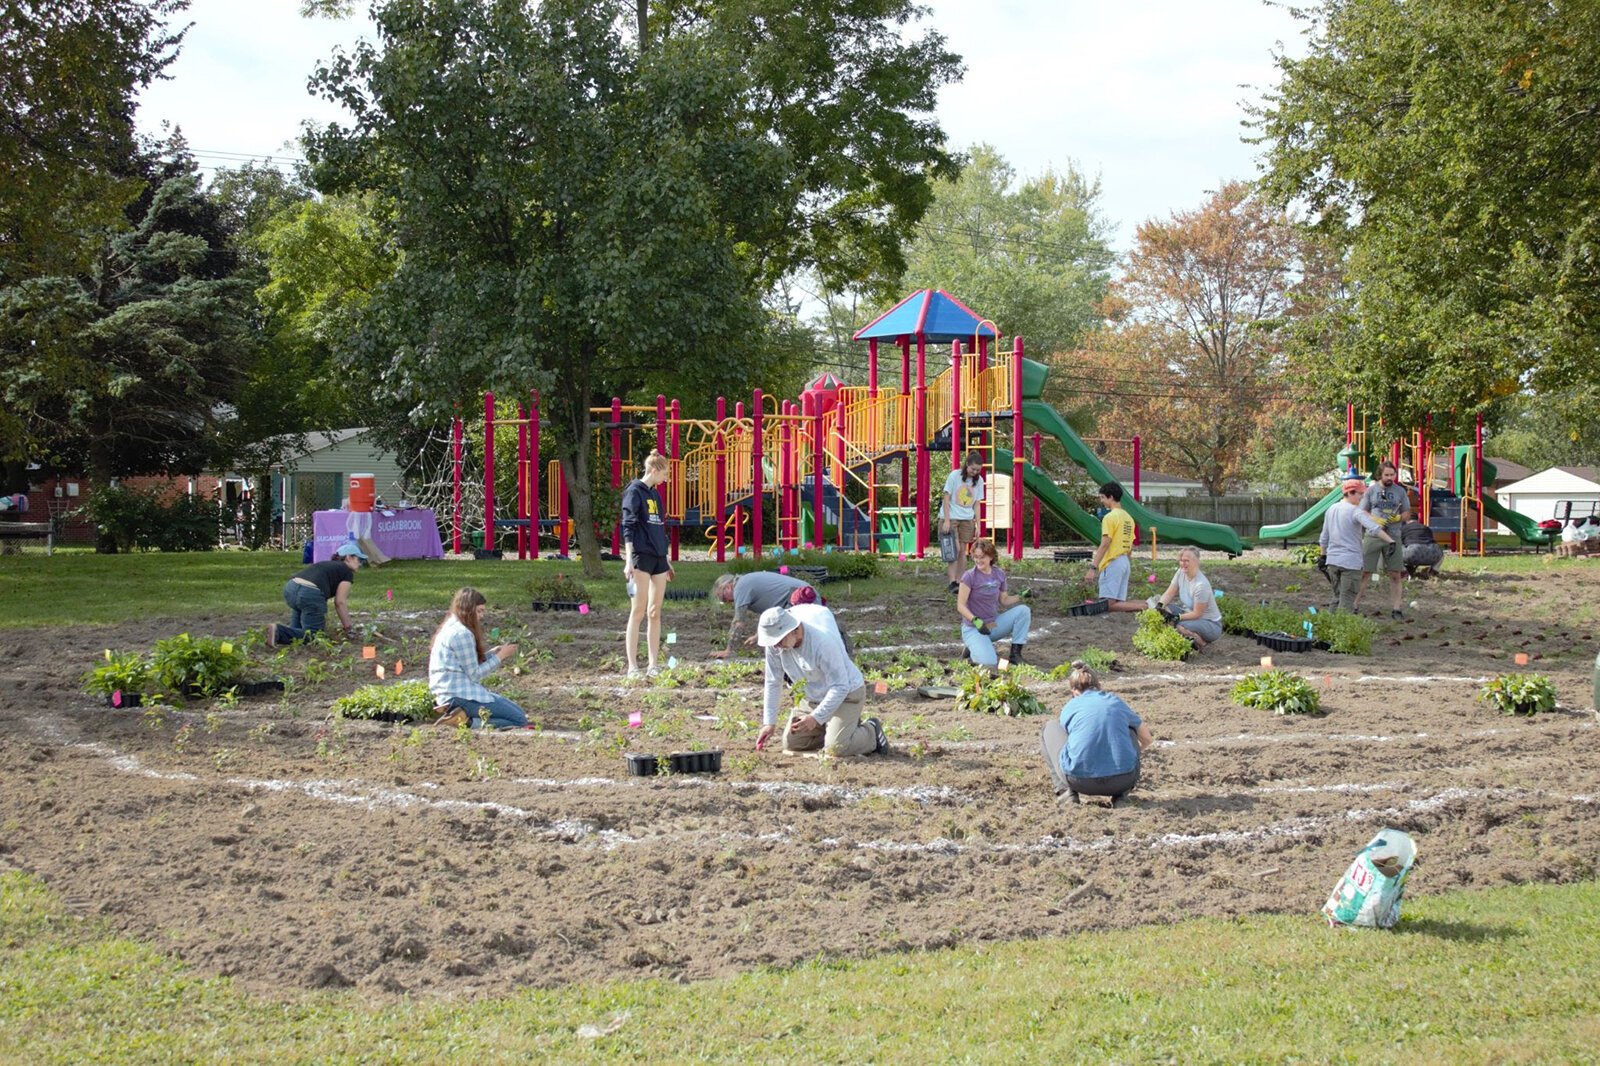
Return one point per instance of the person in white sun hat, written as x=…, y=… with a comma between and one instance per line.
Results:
x=802, y=643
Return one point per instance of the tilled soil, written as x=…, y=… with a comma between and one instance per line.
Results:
x=260, y=840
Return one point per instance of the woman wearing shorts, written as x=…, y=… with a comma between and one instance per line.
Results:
x=644, y=559
x=958, y=514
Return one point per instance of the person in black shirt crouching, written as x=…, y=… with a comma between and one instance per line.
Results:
x=308, y=593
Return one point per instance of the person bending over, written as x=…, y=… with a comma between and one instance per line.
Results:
x=308, y=593
x=989, y=612
x=803, y=643
x=1095, y=747
x=1422, y=553
x=1199, y=617
x=459, y=661
x=753, y=593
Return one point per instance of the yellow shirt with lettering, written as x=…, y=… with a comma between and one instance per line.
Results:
x=1119, y=527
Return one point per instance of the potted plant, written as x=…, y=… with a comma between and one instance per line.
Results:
x=197, y=666
x=124, y=679
x=1522, y=694
x=402, y=701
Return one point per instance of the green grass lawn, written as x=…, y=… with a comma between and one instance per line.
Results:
x=1496, y=975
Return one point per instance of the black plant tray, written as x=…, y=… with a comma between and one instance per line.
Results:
x=1090, y=607
x=1072, y=555
x=259, y=688
x=487, y=553
x=556, y=605
x=814, y=575
x=127, y=699
x=695, y=762
x=687, y=594
x=641, y=765
x=1284, y=642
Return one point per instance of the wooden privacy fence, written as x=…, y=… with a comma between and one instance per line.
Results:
x=1246, y=514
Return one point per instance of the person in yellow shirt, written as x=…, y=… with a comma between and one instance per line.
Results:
x=1110, y=562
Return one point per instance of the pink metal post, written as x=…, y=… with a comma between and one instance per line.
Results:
x=1016, y=448
x=810, y=404
x=616, y=467
x=920, y=403
x=721, y=488
x=455, y=485
x=872, y=368
x=488, y=471
x=905, y=390
x=562, y=512
x=535, y=474
x=957, y=438
x=1138, y=455
x=756, y=486
x=680, y=489
x=1477, y=475
x=522, y=482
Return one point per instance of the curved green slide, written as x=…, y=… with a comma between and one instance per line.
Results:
x=1526, y=529
x=1210, y=535
x=1298, y=526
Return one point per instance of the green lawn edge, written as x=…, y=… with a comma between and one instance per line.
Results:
x=1470, y=976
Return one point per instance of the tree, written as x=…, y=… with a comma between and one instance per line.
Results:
x=1193, y=362
x=1552, y=429
x=129, y=368
x=576, y=213
x=1448, y=149
x=1032, y=257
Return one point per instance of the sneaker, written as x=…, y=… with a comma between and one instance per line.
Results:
x=1397, y=616
x=1066, y=798
x=883, y=738
x=652, y=671
x=954, y=587
x=454, y=720
x=634, y=673
x=272, y=634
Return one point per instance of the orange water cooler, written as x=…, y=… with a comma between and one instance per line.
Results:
x=363, y=491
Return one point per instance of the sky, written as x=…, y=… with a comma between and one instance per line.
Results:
x=1146, y=94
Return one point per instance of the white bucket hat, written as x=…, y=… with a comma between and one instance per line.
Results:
x=776, y=623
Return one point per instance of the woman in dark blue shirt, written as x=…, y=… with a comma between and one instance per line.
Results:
x=644, y=559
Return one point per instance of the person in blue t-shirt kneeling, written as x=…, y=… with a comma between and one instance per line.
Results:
x=1094, y=749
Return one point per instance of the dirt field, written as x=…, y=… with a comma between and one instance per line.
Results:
x=259, y=840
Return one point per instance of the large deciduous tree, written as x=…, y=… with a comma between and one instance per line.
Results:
x=1192, y=361
x=578, y=207
x=1451, y=151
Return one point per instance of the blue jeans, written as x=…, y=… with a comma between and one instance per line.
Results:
x=1012, y=622
x=501, y=712
x=308, y=612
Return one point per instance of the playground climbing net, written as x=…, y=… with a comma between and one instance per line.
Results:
x=428, y=478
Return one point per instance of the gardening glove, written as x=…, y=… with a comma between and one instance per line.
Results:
x=981, y=626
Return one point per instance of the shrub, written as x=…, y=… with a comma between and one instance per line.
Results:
x=132, y=518
x=1519, y=694
x=1348, y=634
x=986, y=694
x=191, y=665
x=1305, y=554
x=128, y=673
x=556, y=588
x=1155, y=639
x=1097, y=659
x=1277, y=691
x=404, y=699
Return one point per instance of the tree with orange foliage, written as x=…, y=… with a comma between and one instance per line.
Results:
x=1192, y=358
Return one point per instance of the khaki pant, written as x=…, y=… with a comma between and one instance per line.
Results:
x=1346, y=583
x=843, y=735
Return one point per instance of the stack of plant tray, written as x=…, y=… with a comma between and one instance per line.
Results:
x=1284, y=642
x=687, y=594
x=1072, y=555
x=1088, y=607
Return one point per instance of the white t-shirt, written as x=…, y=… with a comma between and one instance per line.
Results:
x=1198, y=591
x=964, y=497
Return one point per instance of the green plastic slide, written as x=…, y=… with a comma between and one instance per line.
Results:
x=1169, y=530
x=1526, y=529
x=1300, y=526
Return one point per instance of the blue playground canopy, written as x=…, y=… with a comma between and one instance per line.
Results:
x=932, y=314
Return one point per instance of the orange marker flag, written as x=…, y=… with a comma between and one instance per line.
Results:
x=369, y=652
x=1522, y=658
x=399, y=667
x=1266, y=662
x=380, y=672
x=881, y=688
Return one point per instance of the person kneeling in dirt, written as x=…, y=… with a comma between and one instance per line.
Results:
x=460, y=660
x=1094, y=749
x=802, y=642
x=1198, y=617
x=755, y=592
x=988, y=612
x=308, y=592
x=1422, y=553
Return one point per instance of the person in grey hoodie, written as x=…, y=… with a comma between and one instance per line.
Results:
x=1342, y=527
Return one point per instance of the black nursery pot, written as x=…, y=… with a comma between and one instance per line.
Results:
x=696, y=762
x=641, y=765
x=487, y=553
x=1091, y=607
x=556, y=605
x=260, y=688
x=1284, y=642
x=120, y=700
x=687, y=594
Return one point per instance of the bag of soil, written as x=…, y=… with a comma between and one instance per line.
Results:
x=1368, y=895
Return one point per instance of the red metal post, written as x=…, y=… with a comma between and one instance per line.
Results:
x=681, y=485
x=536, y=475
x=905, y=390
x=957, y=439
x=563, y=513
x=616, y=467
x=872, y=368
x=721, y=488
x=757, y=487
x=809, y=406
x=1016, y=449
x=521, y=482
x=920, y=404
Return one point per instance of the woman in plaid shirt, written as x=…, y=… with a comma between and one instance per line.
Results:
x=460, y=660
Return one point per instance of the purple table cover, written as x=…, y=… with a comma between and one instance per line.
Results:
x=410, y=534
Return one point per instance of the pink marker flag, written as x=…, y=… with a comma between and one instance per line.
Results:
x=390, y=594
x=783, y=569
x=116, y=698
x=635, y=719
x=583, y=608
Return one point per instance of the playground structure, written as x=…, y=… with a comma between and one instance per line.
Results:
x=821, y=461
x=1454, y=510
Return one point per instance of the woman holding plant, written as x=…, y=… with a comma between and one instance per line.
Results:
x=988, y=612
x=459, y=661
x=1094, y=749
x=645, y=564
x=1199, y=617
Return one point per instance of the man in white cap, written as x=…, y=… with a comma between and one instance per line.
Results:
x=803, y=642
x=1341, y=542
